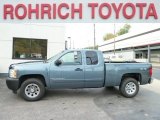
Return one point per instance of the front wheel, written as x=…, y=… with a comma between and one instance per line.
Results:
x=32, y=89
x=129, y=87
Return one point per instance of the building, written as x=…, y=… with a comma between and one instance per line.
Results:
x=142, y=47
x=27, y=42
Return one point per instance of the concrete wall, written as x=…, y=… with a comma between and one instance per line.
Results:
x=54, y=33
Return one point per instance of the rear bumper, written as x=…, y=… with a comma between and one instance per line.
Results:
x=12, y=84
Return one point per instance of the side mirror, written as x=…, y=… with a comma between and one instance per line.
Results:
x=58, y=62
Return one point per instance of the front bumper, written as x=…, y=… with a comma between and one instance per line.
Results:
x=12, y=83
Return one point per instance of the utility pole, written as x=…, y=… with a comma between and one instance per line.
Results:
x=114, y=38
x=94, y=36
x=149, y=53
x=73, y=44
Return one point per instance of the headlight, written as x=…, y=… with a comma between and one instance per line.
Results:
x=13, y=73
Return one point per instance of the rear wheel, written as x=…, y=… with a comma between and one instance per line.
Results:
x=129, y=87
x=32, y=89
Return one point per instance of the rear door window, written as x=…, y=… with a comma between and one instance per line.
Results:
x=91, y=58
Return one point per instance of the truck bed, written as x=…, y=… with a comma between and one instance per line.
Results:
x=115, y=71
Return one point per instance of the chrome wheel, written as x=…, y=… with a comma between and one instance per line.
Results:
x=32, y=90
x=130, y=88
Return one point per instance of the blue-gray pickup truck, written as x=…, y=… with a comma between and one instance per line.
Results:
x=77, y=69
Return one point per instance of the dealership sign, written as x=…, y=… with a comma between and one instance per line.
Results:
x=79, y=11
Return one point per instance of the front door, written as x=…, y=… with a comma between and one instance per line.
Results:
x=70, y=73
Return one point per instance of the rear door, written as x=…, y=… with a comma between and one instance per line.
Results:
x=94, y=70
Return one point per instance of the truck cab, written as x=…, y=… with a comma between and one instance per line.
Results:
x=77, y=69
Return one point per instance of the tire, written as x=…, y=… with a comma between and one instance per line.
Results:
x=129, y=87
x=32, y=89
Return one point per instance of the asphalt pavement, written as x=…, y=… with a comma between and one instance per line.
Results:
x=156, y=73
x=83, y=104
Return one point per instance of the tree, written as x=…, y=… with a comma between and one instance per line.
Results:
x=124, y=30
x=109, y=36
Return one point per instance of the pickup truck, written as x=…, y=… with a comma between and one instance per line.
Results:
x=76, y=69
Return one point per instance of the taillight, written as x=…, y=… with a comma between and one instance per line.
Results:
x=150, y=72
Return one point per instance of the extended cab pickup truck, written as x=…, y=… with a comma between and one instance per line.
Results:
x=77, y=69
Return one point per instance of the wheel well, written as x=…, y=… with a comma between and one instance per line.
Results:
x=40, y=77
x=136, y=76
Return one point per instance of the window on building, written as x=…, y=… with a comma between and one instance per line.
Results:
x=72, y=58
x=139, y=55
x=24, y=48
x=91, y=58
x=145, y=55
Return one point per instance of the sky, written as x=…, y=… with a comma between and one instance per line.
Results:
x=81, y=35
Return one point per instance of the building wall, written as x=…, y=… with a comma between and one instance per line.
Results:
x=155, y=56
x=54, y=33
x=128, y=44
x=126, y=41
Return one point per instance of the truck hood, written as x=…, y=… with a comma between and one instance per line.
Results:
x=28, y=68
x=30, y=63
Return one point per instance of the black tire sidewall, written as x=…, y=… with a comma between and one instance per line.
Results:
x=123, y=85
x=30, y=81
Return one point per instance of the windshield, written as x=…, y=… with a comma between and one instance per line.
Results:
x=50, y=59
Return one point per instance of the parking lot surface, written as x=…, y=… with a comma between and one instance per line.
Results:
x=82, y=104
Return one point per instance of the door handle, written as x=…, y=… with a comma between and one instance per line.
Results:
x=78, y=69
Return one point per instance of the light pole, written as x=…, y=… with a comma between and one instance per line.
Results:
x=94, y=36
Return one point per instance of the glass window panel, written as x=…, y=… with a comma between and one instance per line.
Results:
x=71, y=58
x=91, y=58
x=24, y=48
